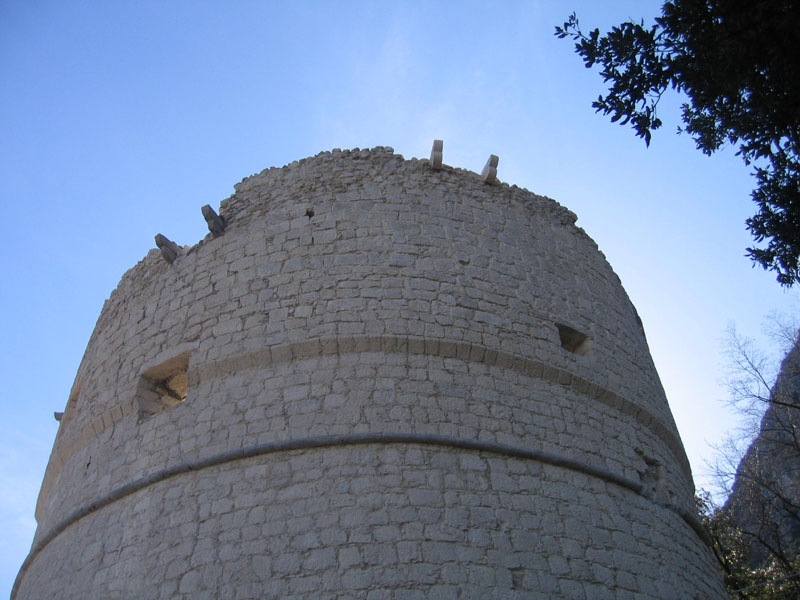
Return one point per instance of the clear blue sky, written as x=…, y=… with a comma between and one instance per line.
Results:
x=118, y=120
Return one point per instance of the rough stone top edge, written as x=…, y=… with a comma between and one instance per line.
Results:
x=248, y=181
x=356, y=153
x=251, y=182
x=520, y=194
x=254, y=180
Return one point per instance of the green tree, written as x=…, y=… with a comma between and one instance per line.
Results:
x=728, y=543
x=756, y=533
x=765, y=581
x=738, y=64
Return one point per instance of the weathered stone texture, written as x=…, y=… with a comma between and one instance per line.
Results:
x=359, y=294
x=766, y=490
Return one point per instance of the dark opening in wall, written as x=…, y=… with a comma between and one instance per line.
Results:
x=572, y=339
x=163, y=385
x=650, y=475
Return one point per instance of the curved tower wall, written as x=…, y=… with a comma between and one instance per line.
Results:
x=379, y=379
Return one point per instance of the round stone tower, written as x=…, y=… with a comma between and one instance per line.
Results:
x=375, y=378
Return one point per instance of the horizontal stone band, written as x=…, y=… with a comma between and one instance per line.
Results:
x=351, y=439
x=444, y=348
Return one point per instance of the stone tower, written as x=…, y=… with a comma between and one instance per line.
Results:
x=375, y=378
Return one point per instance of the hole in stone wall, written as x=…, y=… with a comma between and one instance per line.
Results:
x=572, y=339
x=650, y=475
x=163, y=385
x=309, y=212
x=517, y=576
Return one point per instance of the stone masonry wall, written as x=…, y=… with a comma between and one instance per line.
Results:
x=384, y=398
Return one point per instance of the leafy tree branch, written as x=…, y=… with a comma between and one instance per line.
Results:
x=737, y=64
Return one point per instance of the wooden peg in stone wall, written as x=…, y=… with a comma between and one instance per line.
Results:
x=215, y=223
x=58, y=415
x=436, y=155
x=169, y=249
x=489, y=173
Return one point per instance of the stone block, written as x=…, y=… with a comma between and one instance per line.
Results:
x=489, y=173
x=436, y=155
x=169, y=249
x=215, y=223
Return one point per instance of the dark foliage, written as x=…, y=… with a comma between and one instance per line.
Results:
x=738, y=63
x=767, y=580
x=756, y=533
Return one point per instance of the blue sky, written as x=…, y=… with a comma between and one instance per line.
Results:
x=118, y=120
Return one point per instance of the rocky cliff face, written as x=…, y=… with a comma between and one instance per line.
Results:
x=765, y=501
